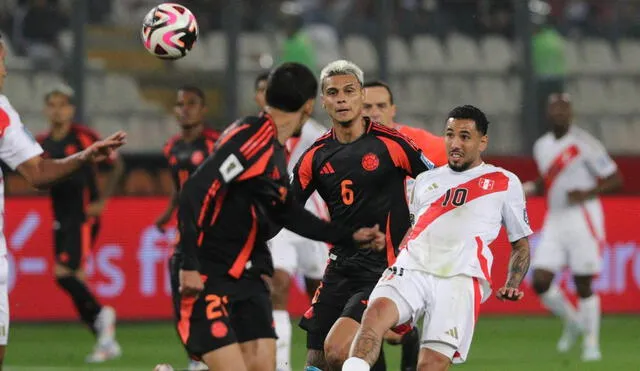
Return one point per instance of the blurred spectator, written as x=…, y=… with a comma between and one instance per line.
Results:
x=38, y=33
x=549, y=61
x=297, y=46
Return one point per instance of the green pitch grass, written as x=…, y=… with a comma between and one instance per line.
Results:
x=500, y=344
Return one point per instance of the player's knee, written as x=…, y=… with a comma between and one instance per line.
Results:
x=335, y=354
x=541, y=281
x=433, y=361
x=583, y=288
x=381, y=314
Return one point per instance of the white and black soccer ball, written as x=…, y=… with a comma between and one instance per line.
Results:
x=169, y=31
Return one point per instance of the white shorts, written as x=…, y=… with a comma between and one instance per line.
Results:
x=573, y=238
x=294, y=254
x=4, y=300
x=450, y=306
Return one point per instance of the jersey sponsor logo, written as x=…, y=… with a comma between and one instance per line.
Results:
x=370, y=162
x=231, y=168
x=430, y=165
x=486, y=184
x=327, y=169
x=197, y=157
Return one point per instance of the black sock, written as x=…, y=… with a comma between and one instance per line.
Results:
x=85, y=303
x=381, y=364
x=410, y=350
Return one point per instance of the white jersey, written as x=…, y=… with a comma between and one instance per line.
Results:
x=296, y=146
x=17, y=145
x=456, y=215
x=573, y=162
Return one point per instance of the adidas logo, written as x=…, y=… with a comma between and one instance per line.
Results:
x=453, y=333
x=327, y=169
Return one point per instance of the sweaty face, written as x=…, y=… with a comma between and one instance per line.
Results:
x=260, y=96
x=377, y=105
x=559, y=112
x=189, y=109
x=342, y=98
x=3, y=67
x=464, y=143
x=58, y=109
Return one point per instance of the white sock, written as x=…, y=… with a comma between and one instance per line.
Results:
x=589, y=315
x=558, y=304
x=355, y=364
x=283, y=344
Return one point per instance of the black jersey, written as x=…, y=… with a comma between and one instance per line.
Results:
x=185, y=157
x=363, y=183
x=71, y=195
x=238, y=199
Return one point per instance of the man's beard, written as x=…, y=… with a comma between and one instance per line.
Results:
x=460, y=168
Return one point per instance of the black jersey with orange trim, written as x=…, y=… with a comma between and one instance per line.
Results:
x=363, y=183
x=185, y=157
x=71, y=195
x=238, y=199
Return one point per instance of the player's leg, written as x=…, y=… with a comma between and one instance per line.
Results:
x=395, y=300
x=252, y=319
x=585, y=262
x=227, y=358
x=550, y=257
x=284, y=257
x=4, y=306
x=174, y=278
x=453, y=305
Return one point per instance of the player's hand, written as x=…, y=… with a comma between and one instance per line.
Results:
x=190, y=283
x=578, y=197
x=370, y=238
x=103, y=149
x=162, y=221
x=509, y=293
x=95, y=209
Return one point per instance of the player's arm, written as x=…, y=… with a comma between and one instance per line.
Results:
x=115, y=175
x=293, y=216
x=303, y=180
x=42, y=173
x=516, y=221
x=604, y=168
x=534, y=188
x=164, y=218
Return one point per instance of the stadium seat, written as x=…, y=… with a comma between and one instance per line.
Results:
x=497, y=53
x=624, y=96
x=121, y=92
x=36, y=122
x=629, y=50
x=400, y=56
x=462, y=53
x=573, y=56
x=19, y=90
x=598, y=56
x=43, y=82
x=198, y=58
x=429, y=53
x=139, y=183
x=216, y=44
x=592, y=96
x=506, y=135
x=493, y=95
x=614, y=132
x=94, y=93
x=65, y=39
x=453, y=91
x=251, y=47
x=423, y=95
x=361, y=51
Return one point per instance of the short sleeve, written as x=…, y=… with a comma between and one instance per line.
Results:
x=598, y=160
x=514, y=211
x=17, y=145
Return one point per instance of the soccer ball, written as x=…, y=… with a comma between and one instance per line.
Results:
x=169, y=31
x=163, y=367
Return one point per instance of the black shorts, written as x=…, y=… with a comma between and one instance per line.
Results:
x=174, y=279
x=227, y=311
x=74, y=240
x=338, y=296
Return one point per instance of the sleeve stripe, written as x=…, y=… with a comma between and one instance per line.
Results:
x=226, y=136
x=253, y=141
x=397, y=153
x=211, y=193
x=396, y=134
x=260, y=143
x=305, y=171
x=258, y=167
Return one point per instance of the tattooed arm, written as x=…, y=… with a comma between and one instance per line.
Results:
x=518, y=267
